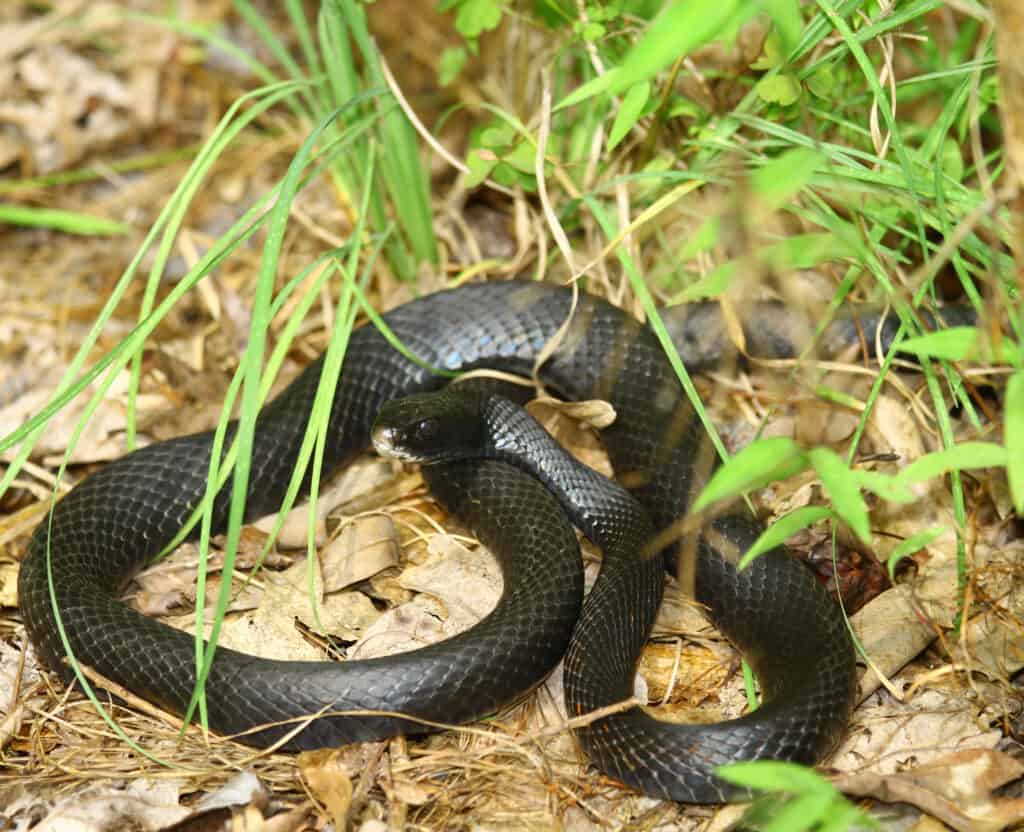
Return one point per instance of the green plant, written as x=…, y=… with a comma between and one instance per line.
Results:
x=794, y=799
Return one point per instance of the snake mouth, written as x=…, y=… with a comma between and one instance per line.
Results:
x=386, y=441
x=383, y=439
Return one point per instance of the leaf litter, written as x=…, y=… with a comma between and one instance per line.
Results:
x=932, y=736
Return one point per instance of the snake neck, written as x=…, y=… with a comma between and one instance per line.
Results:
x=601, y=508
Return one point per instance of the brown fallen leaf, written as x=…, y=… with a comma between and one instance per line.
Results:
x=688, y=673
x=16, y=677
x=171, y=583
x=294, y=820
x=325, y=774
x=956, y=789
x=270, y=629
x=887, y=736
x=242, y=796
x=893, y=429
x=595, y=412
x=101, y=440
x=893, y=630
x=993, y=641
x=355, y=482
x=11, y=724
x=244, y=789
x=141, y=804
x=364, y=547
x=455, y=588
x=8, y=584
x=466, y=582
x=412, y=792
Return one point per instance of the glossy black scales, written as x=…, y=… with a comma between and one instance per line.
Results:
x=110, y=524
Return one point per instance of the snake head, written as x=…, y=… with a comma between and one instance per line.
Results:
x=430, y=427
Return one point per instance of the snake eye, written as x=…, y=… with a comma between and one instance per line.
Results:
x=427, y=429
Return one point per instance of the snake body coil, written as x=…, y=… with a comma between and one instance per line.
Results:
x=111, y=523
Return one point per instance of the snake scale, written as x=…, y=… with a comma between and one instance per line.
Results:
x=110, y=524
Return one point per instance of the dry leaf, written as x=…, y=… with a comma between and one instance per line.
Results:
x=459, y=587
x=66, y=105
x=595, y=413
x=413, y=793
x=888, y=735
x=243, y=789
x=325, y=774
x=296, y=820
x=270, y=630
x=957, y=789
x=11, y=724
x=467, y=583
x=695, y=672
x=365, y=546
x=893, y=630
x=171, y=583
x=102, y=438
x=993, y=641
x=356, y=481
x=8, y=584
x=892, y=429
x=143, y=804
x=10, y=667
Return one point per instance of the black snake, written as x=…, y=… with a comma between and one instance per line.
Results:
x=109, y=525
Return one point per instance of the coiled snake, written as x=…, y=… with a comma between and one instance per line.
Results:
x=109, y=525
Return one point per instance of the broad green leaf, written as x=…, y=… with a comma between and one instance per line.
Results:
x=911, y=545
x=789, y=23
x=1013, y=430
x=958, y=343
x=771, y=53
x=476, y=16
x=960, y=457
x=480, y=162
x=804, y=251
x=595, y=86
x=629, y=113
x=680, y=108
x=801, y=813
x=498, y=136
x=890, y=488
x=783, y=529
x=841, y=484
x=522, y=157
x=713, y=284
x=779, y=89
x=843, y=816
x=702, y=239
x=771, y=775
x=785, y=176
x=823, y=82
x=761, y=462
x=954, y=343
x=453, y=59
x=682, y=27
